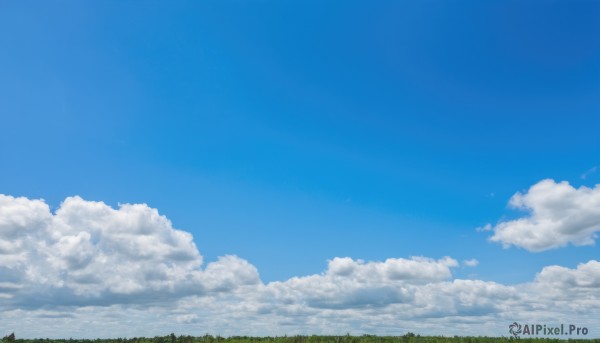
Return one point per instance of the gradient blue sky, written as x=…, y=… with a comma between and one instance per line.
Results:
x=292, y=132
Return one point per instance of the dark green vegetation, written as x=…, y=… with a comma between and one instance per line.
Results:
x=408, y=338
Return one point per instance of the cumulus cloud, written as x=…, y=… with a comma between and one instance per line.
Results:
x=349, y=283
x=586, y=275
x=90, y=253
x=90, y=270
x=557, y=215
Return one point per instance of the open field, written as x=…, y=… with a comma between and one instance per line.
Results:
x=408, y=338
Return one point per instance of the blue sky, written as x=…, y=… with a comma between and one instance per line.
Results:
x=289, y=133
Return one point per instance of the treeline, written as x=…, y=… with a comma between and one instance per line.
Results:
x=408, y=338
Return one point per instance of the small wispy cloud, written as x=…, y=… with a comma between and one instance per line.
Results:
x=471, y=263
x=589, y=172
x=486, y=227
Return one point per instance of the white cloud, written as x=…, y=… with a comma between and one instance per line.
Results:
x=558, y=214
x=471, y=263
x=89, y=270
x=586, y=275
x=354, y=284
x=90, y=253
x=486, y=227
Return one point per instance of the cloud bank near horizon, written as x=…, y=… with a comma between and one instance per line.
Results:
x=89, y=270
